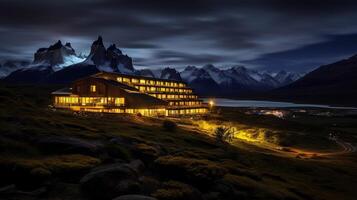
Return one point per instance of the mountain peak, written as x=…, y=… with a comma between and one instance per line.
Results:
x=110, y=59
x=170, y=73
x=113, y=48
x=98, y=42
x=57, y=45
x=68, y=44
x=210, y=67
x=239, y=68
x=54, y=55
x=190, y=67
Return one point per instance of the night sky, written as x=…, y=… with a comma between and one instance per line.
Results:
x=267, y=34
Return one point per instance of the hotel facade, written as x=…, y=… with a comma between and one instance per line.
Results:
x=120, y=93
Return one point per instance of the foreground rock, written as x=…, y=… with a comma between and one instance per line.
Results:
x=69, y=145
x=111, y=181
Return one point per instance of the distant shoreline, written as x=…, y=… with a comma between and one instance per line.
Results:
x=256, y=103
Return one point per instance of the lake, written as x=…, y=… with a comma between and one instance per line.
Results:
x=264, y=104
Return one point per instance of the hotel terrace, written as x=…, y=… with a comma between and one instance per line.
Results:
x=119, y=93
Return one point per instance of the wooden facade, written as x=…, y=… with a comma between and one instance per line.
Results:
x=111, y=92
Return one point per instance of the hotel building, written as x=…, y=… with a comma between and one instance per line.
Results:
x=120, y=93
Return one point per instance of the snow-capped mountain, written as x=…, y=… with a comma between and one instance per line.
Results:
x=110, y=60
x=57, y=56
x=235, y=79
x=285, y=78
x=60, y=64
x=210, y=80
x=170, y=73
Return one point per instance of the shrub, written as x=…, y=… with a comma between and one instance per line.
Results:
x=117, y=151
x=223, y=134
x=53, y=164
x=169, y=125
x=174, y=190
x=199, y=170
x=147, y=152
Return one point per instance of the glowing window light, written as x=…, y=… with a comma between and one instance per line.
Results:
x=93, y=88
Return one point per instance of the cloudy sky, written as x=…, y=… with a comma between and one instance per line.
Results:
x=295, y=35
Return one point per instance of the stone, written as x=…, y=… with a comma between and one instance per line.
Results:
x=110, y=181
x=68, y=145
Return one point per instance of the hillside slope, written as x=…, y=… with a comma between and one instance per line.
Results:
x=335, y=83
x=54, y=154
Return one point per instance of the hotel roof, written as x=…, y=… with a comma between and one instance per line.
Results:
x=138, y=77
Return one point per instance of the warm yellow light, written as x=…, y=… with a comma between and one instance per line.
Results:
x=211, y=103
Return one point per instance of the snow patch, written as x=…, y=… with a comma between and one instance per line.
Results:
x=67, y=61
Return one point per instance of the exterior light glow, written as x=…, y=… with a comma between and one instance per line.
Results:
x=211, y=103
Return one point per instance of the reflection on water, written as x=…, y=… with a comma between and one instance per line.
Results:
x=264, y=104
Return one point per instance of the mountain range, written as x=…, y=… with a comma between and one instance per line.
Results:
x=59, y=64
x=334, y=83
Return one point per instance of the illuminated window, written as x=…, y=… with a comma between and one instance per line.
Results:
x=120, y=79
x=142, y=89
x=93, y=88
x=142, y=81
x=119, y=101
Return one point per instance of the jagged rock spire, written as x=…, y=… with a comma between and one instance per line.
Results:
x=99, y=41
x=57, y=45
x=68, y=44
x=54, y=54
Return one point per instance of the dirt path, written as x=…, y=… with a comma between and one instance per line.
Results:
x=346, y=146
x=270, y=148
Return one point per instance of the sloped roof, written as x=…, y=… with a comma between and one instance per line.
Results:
x=142, y=100
x=63, y=91
x=115, y=83
x=136, y=76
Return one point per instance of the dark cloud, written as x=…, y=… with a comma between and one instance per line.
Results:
x=271, y=34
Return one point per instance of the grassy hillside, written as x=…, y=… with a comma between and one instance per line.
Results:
x=54, y=154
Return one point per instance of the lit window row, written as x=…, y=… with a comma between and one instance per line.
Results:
x=135, y=81
x=187, y=111
x=90, y=101
x=162, y=89
x=174, y=96
x=146, y=112
x=185, y=103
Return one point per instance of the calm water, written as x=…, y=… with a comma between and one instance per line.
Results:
x=264, y=104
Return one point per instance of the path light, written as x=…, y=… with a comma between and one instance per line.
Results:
x=211, y=103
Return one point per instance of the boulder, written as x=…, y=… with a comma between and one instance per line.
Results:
x=58, y=144
x=110, y=181
x=134, y=197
